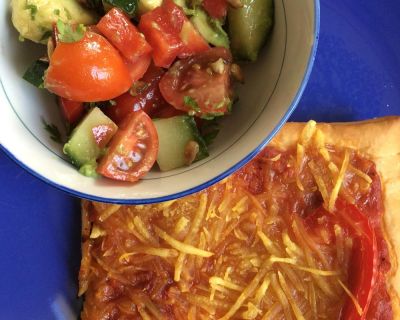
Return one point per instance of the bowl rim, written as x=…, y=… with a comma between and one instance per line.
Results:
x=218, y=177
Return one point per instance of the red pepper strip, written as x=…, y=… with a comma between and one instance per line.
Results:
x=363, y=262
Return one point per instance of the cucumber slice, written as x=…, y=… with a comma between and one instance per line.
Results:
x=174, y=134
x=210, y=29
x=82, y=148
x=249, y=27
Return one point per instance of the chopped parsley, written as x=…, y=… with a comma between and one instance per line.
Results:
x=52, y=129
x=33, y=9
x=35, y=73
x=69, y=34
x=191, y=103
x=209, y=131
x=56, y=12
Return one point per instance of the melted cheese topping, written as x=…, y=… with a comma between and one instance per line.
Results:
x=228, y=252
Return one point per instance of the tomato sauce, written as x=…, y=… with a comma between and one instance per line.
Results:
x=122, y=282
x=272, y=165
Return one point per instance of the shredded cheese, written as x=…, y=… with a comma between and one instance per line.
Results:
x=97, y=232
x=320, y=181
x=296, y=310
x=361, y=174
x=252, y=312
x=281, y=297
x=260, y=293
x=269, y=245
x=181, y=225
x=160, y=252
x=276, y=158
x=180, y=246
x=142, y=229
x=325, y=154
x=217, y=281
x=352, y=297
x=109, y=212
x=319, y=139
x=194, y=229
x=308, y=132
x=299, y=165
x=248, y=291
x=339, y=181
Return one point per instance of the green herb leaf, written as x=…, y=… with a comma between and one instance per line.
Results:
x=69, y=34
x=129, y=6
x=211, y=116
x=191, y=103
x=209, y=131
x=35, y=73
x=52, y=129
x=33, y=8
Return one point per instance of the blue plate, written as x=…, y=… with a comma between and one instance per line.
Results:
x=356, y=76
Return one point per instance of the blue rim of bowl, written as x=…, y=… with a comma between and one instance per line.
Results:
x=217, y=178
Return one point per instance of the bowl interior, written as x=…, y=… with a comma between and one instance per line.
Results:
x=272, y=89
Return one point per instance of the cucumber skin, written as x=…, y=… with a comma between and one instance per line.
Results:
x=187, y=127
x=213, y=34
x=78, y=155
x=249, y=28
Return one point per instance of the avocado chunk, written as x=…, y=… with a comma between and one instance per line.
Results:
x=249, y=27
x=88, y=140
x=148, y=5
x=34, y=18
x=210, y=29
x=175, y=136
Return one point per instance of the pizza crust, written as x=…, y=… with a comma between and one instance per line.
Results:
x=379, y=141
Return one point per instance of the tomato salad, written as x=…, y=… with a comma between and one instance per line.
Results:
x=147, y=82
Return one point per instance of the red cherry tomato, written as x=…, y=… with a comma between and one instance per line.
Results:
x=170, y=34
x=138, y=68
x=167, y=111
x=200, y=84
x=121, y=32
x=216, y=8
x=145, y=95
x=72, y=111
x=88, y=70
x=133, y=149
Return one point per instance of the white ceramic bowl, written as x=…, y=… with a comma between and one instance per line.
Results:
x=273, y=88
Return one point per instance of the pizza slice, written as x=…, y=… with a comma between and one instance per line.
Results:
x=307, y=230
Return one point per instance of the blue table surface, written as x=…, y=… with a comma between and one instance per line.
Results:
x=356, y=76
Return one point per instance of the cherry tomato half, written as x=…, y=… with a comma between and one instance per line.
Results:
x=133, y=150
x=138, y=68
x=72, y=111
x=200, y=84
x=144, y=95
x=216, y=8
x=87, y=70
